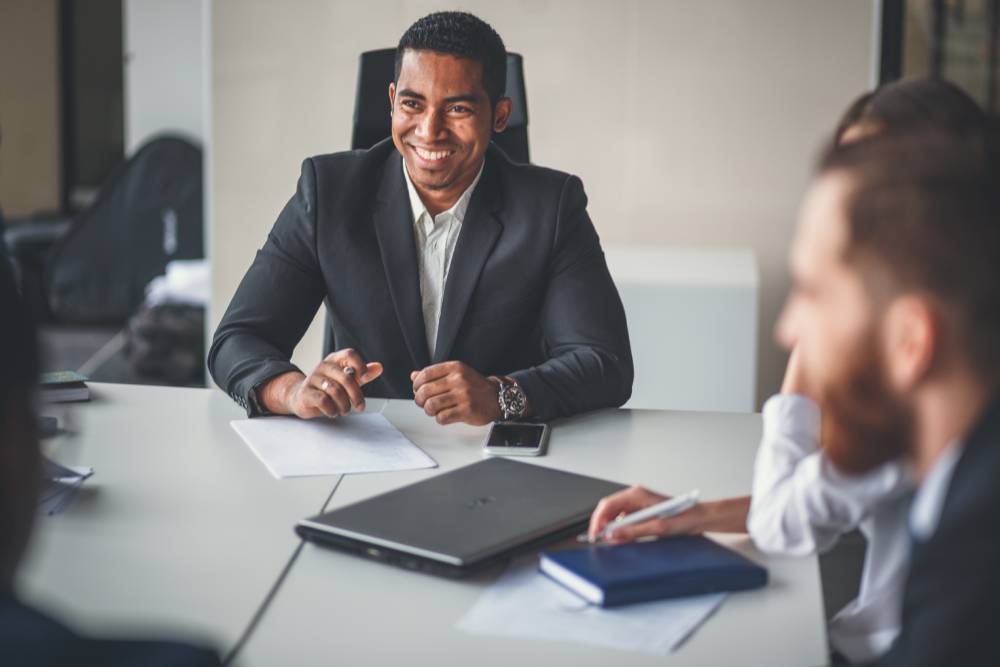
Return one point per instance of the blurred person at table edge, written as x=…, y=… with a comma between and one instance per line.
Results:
x=27, y=636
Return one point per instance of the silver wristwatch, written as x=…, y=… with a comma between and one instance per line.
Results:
x=513, y=402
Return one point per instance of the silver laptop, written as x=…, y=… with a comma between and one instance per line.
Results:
x=465, y=520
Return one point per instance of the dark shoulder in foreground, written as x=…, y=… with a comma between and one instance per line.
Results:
x=953, y=591
x=29, y=638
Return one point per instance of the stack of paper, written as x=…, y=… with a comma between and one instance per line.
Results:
x=292, y=447
x=525, y=603
x=59, y=485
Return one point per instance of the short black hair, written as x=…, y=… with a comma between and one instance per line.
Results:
x=463, y=35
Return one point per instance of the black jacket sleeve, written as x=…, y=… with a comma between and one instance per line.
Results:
x=274, y=303
x=585, y=335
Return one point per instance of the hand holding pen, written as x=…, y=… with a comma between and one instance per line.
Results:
x=602, y=530
x=638, y=512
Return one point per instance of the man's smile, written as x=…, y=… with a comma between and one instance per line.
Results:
x=430, y=157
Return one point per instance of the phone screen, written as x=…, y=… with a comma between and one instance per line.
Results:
x=523, y=436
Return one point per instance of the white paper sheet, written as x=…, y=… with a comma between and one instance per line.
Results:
x=525, y=603
x=59, y=485
x=292, y=447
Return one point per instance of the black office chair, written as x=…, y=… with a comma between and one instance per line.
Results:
x=371, y=104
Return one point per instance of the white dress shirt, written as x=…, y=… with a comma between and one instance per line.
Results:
x=436, y=238
x=801, y=505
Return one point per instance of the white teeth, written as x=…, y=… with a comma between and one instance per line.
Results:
x=432, y=155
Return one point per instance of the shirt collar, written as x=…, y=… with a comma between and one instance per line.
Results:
x=457, y=210
x=925, y=513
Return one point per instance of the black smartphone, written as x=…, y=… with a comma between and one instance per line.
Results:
x=516, y=439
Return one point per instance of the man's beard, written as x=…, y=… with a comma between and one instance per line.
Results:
x=864, y=424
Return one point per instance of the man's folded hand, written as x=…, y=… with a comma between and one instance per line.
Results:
x=453, y=392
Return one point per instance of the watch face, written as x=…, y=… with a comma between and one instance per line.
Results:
x=513, y=400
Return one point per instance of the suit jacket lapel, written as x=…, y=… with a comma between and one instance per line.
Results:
x=394, y=228
x=480, y=230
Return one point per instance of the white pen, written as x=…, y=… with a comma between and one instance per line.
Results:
x=668, y=508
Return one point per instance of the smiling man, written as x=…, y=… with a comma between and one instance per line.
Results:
x=453, y=276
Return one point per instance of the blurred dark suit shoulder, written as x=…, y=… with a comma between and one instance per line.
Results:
x=29, y=638
x=951, y=604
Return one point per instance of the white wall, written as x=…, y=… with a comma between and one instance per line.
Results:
x=690, y=123
x=164, y=68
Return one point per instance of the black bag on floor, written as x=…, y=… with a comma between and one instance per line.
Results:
x=147, y=214
x=167, y=342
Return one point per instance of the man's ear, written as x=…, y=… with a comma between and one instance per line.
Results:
x=392, y=97
x=911, y=338
x=501, y=114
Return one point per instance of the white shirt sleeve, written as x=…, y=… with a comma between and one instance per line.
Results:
x=801, y=504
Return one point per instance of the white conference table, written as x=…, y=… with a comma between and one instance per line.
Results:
x=182, y=532
x=336, y=608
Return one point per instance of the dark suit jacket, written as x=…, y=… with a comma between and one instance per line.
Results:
x=30, y=639
x=528, y=292
x=951, y=603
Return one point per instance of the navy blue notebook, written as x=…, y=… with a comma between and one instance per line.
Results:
x=611, y=576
